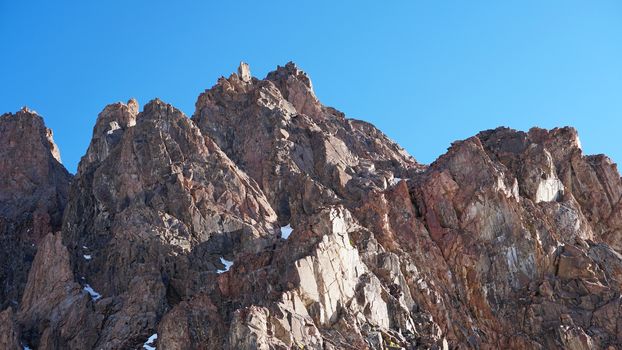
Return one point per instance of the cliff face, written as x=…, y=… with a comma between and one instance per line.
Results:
x=270, y=221
x=33, y=192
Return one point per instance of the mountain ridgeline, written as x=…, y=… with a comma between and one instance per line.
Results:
x=270, y=221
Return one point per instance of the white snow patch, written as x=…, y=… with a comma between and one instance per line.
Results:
x=395, y=180
x=26, y=347
x=286, y=231
x=149, y=343
x=113, y=126
x=96, y=296
x=87, y=256
x=227, y=264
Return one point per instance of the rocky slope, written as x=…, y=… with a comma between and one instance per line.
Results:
x=270, y=221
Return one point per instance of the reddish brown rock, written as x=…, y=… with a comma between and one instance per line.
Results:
x=55, y=311
x=33, y=193
x=192, y=324
x=153, y=210
x=510, y=240
x=300, y=152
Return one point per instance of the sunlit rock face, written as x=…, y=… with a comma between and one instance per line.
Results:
x=165, y=204
x=549, y=190
x=299, y=152
x=270, y=221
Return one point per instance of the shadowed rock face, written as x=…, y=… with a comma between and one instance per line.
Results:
x=172, y=227
x=33, y=193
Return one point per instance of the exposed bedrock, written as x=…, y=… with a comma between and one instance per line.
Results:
x=270, y=221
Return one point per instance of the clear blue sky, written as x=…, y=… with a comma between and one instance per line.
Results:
x=425, y=72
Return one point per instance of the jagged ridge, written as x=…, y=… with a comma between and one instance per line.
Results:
x=509, y=240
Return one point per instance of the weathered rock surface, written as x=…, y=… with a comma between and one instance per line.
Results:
x=300, y=152
x=270, y=221
x=9, y=331
x=33, y=192
x=55, y=312
x=153, y=209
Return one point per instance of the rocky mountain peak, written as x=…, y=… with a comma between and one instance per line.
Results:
x=33, y=192
x=290, y=70
x=111, y=123
x=278, y=132
x=296, y=87
x=31, y=126
x=29, y=161
x=271, y=221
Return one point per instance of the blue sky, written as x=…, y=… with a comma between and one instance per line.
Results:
x=425, y=72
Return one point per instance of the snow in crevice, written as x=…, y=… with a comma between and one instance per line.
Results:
x=26, y=347
x=227, y=264
x=87, y=256
x=149, y=343
x=96, y=296
x=113, y=127
x=395, y=181
x=286, y=231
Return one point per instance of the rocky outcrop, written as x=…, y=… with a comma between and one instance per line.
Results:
x=55, y=312
x=111, y=123
x=33, y=192
x=324, y=288
x=300, y=152
x=153, y=209
x=270, y=221
x=506, y=244
x=549, y=163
